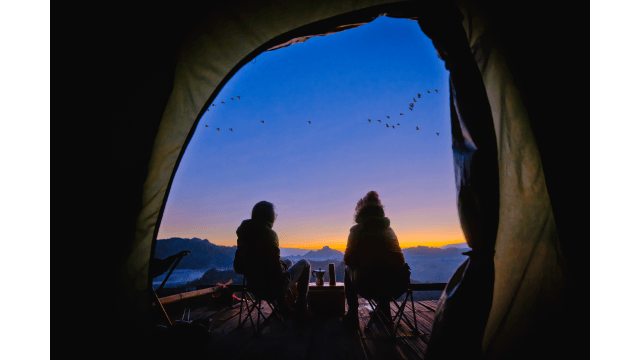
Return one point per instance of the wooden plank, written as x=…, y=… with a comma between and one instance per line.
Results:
x=423, y=318
x=321, y=338
x=405, y=346
x=428, y=304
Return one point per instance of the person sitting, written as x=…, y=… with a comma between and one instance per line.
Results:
x=375, y=265
x=258, y=258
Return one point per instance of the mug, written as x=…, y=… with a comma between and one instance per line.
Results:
x=319, y=275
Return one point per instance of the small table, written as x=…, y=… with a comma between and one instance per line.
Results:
x=326, y=299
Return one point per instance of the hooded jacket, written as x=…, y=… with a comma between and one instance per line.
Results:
x=374, y=255
x=372, y=242
x=258, y=254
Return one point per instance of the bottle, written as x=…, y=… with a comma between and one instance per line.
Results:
x=332, y=274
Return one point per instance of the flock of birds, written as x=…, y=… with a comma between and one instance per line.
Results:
x=411, y=105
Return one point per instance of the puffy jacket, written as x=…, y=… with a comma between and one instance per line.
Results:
x=372, y=242
x=258, y=254
x=374, y=254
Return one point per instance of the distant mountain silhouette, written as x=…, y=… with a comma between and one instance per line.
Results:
x=284, y=252
x=428, y=264
x=433, y=264
x=432, y=251
x=324, y=253
x=204, y=255
x=462, y=245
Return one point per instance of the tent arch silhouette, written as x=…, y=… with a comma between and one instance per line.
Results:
x=508, y=211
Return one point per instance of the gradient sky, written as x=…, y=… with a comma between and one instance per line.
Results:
x=315, y=173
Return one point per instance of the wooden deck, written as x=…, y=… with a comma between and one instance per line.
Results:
x=318, y=338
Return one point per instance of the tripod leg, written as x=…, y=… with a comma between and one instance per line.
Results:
x=161, y=307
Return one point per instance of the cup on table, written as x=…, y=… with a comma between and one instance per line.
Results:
x=319, y=275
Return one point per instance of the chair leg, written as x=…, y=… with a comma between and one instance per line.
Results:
x=242, y=300
x=259, y=313
x=377, y=312
x=275, y=311
x=399, y=314
x=413, y=308
x=397, y=318
x=249, y=311
x=374, y=308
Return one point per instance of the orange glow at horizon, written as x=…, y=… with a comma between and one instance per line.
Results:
x=336, y=238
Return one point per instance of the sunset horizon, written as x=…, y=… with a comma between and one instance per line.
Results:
x=336, y=246
x=313, y=127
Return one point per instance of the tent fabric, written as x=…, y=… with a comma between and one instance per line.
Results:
x=529, y=265
x=529, y=269
x=463, y=308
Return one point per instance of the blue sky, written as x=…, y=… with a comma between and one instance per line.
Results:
x=315, y=173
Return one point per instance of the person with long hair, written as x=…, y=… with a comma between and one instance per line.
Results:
x=258, y=258
x=375, y=265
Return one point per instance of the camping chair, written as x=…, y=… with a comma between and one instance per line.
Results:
x=395, y=320
x=389, y=294
x=256, y=305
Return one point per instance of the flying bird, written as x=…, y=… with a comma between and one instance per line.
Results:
x=436, y=90
x=414, y=100
x=238, y=97
x=380, y=121
x=393, y=126
x=411, y=104
x=419, y=96
x=369, y=120
x=417, y=128
x=206, y=126
x=387, y=116
x=309, y=121
x=230, y=129
x=428, y=92
x=262, y=121
x=387, y=125
x=411, y=109
x=438, y=134
x=401, y=114
x=218, y=129
x=398, y=123
x=222, y=102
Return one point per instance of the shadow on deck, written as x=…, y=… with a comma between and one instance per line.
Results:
x=318, y=338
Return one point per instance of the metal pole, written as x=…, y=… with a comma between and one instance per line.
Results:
x=170, y=271
x=161, y=307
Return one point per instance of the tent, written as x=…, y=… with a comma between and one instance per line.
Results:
x=162, y=67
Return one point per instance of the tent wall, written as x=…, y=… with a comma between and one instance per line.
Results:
x=159, y=107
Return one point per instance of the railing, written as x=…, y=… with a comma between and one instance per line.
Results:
x=191, y=294
x=202, y=290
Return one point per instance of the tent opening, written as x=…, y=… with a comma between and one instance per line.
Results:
x=312, y=128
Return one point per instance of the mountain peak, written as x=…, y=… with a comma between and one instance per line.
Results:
x=324, y=253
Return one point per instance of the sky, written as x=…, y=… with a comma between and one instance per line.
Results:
x=314, y=173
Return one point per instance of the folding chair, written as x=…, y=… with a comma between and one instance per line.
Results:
x=395, y=320
x=256, y=305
